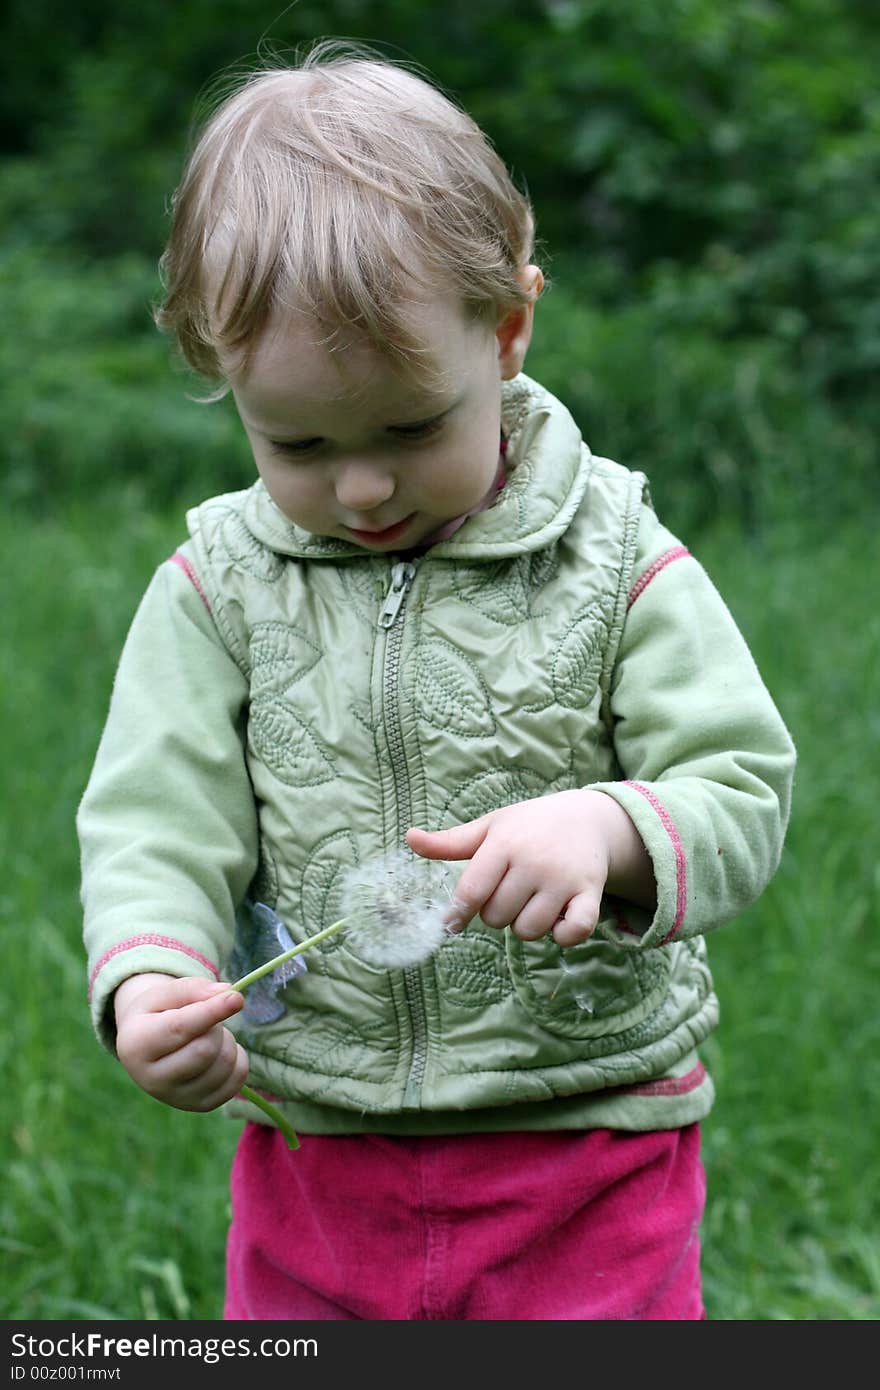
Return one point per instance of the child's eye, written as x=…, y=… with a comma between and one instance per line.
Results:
x=420, y=430
x=294, y=446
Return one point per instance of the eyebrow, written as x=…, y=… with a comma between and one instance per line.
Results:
x=420, y=419
x=400, y=423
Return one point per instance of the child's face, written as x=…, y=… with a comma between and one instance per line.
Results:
x=348, y=448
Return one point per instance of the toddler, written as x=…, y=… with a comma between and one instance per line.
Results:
x=437, y=621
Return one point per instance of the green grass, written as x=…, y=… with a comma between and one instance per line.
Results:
x=116, y=1207
x=793, y=1224
x=112, y=1205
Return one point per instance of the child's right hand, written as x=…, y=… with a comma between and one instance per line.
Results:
x=170, y=1039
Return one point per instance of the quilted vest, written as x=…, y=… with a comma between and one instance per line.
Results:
x=389, y=691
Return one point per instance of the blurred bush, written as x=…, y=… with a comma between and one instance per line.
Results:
x=87, y=400
x=706, y=182
x=723, y=427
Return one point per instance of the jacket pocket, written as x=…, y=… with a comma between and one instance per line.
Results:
x=589, y=991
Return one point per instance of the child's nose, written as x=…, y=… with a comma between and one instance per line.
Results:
x=361, y=486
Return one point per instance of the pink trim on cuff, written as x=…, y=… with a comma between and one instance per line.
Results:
x=150, y=939
x=671, y=1085
x=678, y=848
x=678, y=552
x=183, y=563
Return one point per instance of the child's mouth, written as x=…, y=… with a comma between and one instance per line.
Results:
x=390, y=533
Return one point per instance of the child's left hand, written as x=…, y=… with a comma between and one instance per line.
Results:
x=542, y=865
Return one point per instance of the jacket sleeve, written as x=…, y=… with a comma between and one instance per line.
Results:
x=706, y=762
x=167, y=824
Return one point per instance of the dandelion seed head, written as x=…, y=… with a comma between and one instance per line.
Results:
x=395, y=908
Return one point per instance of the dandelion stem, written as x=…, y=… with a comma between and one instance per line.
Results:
x=287, y=955
x=287, y=1129
x=247, y=1092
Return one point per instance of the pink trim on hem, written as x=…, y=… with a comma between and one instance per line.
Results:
x=678, y=848
x=150, y=939
x=677, y=552
x=670, y=1085
x=183, y=563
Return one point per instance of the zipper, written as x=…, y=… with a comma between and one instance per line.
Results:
x=402, y=576
x=391, y=623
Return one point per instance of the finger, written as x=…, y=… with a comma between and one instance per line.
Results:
x=509, y=899
x=231, y=1085
x=172, y=992
x=539, y=916
x=170, y=1030
x=459, y=842
x=222, y=1084
x=578, y=921
x=204, y=1066
x=195, y=1060
x=480, y=880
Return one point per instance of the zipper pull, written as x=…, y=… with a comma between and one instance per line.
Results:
x=402, y=576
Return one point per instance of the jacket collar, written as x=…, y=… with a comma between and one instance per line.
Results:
x=547, y=470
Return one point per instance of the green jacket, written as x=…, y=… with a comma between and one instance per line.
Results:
x=287, y=705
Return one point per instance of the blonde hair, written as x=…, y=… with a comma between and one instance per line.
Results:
x=341, y=186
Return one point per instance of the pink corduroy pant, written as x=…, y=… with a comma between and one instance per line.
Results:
x=562, y=1226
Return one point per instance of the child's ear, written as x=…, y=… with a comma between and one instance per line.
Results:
x=514, y=332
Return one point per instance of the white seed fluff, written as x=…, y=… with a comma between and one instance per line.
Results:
x=394, y=908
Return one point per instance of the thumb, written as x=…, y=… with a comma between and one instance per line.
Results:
x=460, y=842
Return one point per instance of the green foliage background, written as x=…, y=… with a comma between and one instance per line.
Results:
x=706, y=182
x=705, y=177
